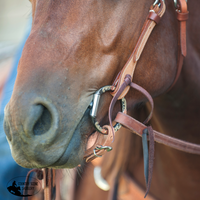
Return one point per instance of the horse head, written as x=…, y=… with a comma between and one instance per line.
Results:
x=74, y=48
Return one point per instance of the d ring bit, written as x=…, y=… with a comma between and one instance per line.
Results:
x=94, y=107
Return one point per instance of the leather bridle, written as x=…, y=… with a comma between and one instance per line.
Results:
x=120, y=88
x=122, y=84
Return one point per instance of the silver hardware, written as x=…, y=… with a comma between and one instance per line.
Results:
x=93, y=112
x=157, y=2
x=106, y=148
x=94, y=108
x=176, y=3
x=99, y=180
x=91, y=104
x=96, y=98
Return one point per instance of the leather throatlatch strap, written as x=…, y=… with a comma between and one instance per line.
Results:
x=152, y=19
x=182, y=16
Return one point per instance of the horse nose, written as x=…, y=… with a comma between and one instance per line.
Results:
x=32, y=129
x=42, y=120
x=35, y=122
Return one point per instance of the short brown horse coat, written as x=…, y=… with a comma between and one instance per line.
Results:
x=59, y=55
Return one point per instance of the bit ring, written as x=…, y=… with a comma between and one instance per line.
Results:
x=94, y=107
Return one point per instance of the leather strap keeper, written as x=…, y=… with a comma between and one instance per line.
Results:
x=182, y=16
x=154, y=17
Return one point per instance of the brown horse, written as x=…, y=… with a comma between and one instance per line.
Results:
x=76, y=47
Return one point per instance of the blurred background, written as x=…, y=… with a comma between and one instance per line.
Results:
x=14, y=20
x=14, y=16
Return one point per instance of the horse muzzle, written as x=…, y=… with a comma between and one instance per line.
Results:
x=34, y=134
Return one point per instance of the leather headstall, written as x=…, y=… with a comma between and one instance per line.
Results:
x=126, y=74
x=123, y=83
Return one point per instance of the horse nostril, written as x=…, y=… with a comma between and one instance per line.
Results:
x=43, y=124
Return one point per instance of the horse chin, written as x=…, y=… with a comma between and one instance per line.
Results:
x=66, y=161
x=74, y=153
x=69, y=157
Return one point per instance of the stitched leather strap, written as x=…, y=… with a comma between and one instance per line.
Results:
x=182, y=16
x=151, y=21
x=137, y=128
x=153, y=18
